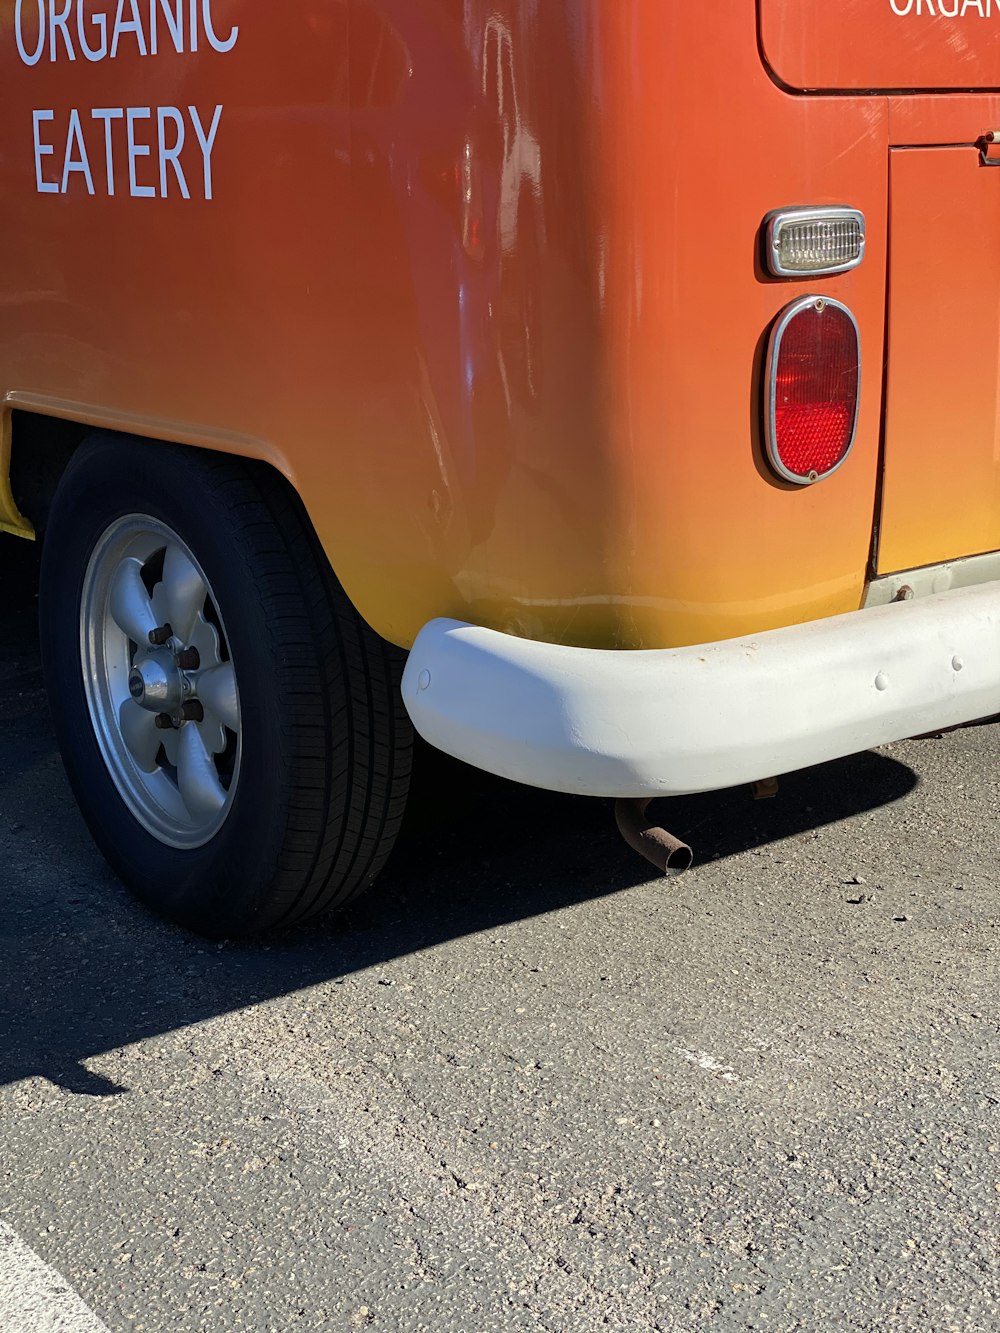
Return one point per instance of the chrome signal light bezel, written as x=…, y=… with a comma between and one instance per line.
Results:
x=771, y=382
x=775, y=223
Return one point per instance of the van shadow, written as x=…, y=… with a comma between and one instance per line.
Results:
x=84, y=969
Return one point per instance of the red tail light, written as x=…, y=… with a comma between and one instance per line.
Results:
x=813, y=377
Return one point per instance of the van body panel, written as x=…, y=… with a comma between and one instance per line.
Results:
x=933, y=119
x=869, y=45
x=484, y=280
x=941, y=492
x=710, y=542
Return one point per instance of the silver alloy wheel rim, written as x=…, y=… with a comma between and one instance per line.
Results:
x=166, y=715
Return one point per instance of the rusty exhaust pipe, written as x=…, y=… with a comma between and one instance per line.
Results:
x=667, y=853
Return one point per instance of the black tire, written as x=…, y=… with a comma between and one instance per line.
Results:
x=325, y=742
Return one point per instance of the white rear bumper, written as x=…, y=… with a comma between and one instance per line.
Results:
x=607, y=723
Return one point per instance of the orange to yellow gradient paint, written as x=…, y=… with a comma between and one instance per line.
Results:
x=483, y=279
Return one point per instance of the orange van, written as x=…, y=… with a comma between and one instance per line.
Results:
x=632, y=365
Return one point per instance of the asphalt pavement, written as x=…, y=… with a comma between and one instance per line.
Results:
x=525, y=1085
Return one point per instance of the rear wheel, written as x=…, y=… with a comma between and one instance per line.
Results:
x=232, y=730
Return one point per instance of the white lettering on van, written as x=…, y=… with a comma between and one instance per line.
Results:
x=79, y=163
x=123, y=26
x=173, y=154
x=946, y=9
x=165, y=135
x=207, y=142
x=22, y=50
x=184, y=21
x=137, y=150
x=213, y=40
x=175, y=140
x=108, y=114
x=174, y=20
x=57, y=23
x=42, y=150
x=98, y=21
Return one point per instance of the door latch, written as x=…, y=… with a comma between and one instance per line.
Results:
x=986, y=142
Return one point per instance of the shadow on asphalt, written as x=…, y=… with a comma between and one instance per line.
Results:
x=83, y=969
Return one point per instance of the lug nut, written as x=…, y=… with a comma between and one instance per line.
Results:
x=193, y=711
x=189, y=659
x=161, y=636
x=164, y=722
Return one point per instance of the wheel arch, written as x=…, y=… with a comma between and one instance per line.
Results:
x=39, y=436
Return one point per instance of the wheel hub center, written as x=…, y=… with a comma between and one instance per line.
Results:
x=157, y=684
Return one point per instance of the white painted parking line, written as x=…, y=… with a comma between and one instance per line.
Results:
x=34, y=1298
